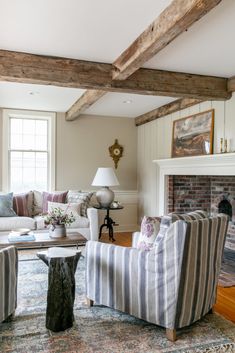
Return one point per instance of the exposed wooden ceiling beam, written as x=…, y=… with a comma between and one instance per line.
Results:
x=38, y=69
x=174, y=20
x=166, y=109
x=83, y=103
x=231, y=84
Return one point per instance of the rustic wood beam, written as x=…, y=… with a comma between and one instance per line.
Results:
x=231, y=84
x=174, y=20
x=38, y=69
x=83, y=103
x=166, y=109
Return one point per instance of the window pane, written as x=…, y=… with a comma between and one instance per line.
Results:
x=28, y=168
x=16, y=126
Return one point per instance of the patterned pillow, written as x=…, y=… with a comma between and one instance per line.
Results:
x=148, y=233
x=6, y=205
x=58, y=197
x=20, y=204
x=77, y=197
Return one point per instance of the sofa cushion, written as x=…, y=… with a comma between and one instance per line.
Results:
x=6, y=205
x=149, y=230
x=11, y=223
x=54, y=197
x=20, y=203
x=80, y=196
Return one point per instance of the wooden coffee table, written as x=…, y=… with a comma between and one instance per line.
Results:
x=43, y=240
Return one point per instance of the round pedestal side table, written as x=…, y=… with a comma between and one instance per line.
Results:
x=108, y=222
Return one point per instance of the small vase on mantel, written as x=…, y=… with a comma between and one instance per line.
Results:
x=57, y=231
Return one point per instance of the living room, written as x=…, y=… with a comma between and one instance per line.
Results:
x=143, y=107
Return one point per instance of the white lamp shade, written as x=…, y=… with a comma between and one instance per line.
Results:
x=105, y=177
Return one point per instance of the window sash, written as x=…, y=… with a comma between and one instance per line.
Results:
x=50, y=118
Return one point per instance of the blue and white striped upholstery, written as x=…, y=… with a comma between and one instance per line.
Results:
x=8, y=281
x=173, y=285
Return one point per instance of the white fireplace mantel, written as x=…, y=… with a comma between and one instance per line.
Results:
x=213, y=164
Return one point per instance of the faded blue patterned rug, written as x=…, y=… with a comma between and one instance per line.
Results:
x=99, y=329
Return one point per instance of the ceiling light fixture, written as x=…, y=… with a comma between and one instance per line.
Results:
x=33, y=93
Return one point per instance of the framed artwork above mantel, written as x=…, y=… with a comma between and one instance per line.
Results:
x=193, y=135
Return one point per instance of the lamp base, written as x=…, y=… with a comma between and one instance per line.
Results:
x=105, y=196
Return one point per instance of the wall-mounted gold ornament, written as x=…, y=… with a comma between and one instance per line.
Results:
x=116, y=152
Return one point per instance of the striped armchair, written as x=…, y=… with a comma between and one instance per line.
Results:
x=8, y=281
x=173, y=285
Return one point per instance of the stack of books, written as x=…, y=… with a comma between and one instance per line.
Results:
x=15, y=236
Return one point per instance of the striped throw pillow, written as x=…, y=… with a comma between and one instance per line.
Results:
x=20, y=204
x=190, y=216
x=58, y=197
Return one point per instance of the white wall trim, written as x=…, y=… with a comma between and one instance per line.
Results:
x=215, y=164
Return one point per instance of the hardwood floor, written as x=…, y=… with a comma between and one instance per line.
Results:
x=225, y=304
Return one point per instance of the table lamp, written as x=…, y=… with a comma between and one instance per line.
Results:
x=105, y=177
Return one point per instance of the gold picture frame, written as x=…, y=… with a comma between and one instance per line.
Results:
x=193, y=135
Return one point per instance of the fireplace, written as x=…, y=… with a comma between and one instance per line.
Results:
x=214, y=194
x=202, y=182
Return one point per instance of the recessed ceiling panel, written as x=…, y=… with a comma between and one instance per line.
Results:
x=37, y=97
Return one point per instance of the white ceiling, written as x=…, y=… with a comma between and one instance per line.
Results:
x=37, y=97
x=100, y=31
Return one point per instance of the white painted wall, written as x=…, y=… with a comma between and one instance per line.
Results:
x=154, y=142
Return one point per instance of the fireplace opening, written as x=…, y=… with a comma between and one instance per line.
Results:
x=225, y=206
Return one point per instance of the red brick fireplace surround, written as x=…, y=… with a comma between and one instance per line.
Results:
x=202, y=182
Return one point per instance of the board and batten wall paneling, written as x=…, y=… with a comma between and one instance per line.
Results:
x=154, y=141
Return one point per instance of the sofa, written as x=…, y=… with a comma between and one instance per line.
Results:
x=86, y=223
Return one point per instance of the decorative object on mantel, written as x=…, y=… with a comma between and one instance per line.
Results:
x=105, y=177
x=116, y=152
x=193, y=135
x=58, y=219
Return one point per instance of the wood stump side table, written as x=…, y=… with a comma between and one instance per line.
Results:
x=62, y=264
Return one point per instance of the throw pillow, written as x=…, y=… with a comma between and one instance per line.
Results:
x=6, y=205
x=56, y=197
x=20, y=204
x=148, y=233
x=69, y=208
x=78, y=196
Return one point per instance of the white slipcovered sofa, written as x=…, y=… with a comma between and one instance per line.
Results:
x=87, y=226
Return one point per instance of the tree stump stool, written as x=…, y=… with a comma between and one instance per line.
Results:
x=62, y=265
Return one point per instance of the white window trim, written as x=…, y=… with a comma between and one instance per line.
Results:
x=10, y=113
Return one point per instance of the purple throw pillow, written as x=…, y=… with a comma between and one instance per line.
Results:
x=20, y=202
x=58, y=197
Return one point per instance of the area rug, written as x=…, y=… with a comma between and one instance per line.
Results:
x=99, y=329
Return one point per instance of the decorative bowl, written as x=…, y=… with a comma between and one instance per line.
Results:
x=21, y=231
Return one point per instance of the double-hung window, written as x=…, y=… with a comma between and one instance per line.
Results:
x=28, y=150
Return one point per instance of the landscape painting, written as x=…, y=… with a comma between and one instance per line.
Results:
x=193, y=135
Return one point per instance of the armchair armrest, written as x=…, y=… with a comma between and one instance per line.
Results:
x=8, y=281
x=92, y=215
x=135, y=238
